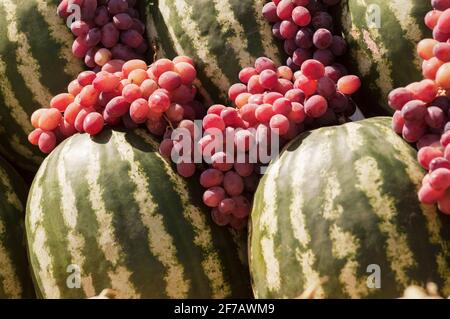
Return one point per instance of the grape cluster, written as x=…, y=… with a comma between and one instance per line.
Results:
x=108, y=29
x=269, y=102
x=127, y=93
x=307, y=31
x=422, y=109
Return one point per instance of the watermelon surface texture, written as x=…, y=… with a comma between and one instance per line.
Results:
x=222, y=36
x=113, y=211
x=382, y=38
x=338, y=211
x=36, y=62
x=15, y=279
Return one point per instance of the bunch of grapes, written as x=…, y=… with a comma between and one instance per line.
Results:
x=127, y=93
x=107, y=30
x=270, y=102
x=307, y=31
x=422, y=109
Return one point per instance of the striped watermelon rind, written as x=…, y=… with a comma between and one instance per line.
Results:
x=115, y=208
x=15, y=280
x=222, y=36
x=36, y=62
x=385, y=57
x=338, y=201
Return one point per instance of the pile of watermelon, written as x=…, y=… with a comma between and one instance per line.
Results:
x=218, y=149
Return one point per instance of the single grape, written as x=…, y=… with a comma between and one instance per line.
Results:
x=316, y=106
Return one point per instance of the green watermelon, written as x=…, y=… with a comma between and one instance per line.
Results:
x=109, y=212
x=383, y=54
x=36, y=62
x=222, y=36
x=15, y=280
x=338, y=211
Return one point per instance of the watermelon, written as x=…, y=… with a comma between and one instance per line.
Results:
x=338, y=211
x=109, y=212
x=222, y=36
x=383, y=54
x=36, y=62
x=15, y=279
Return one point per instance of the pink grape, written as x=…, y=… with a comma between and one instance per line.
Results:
x=47, y=141
x=349, y=84
x=316, y=106
x=243, y=207
x=282, y=106
x=279, y=124
x=139, y=110
x=169, y=80
x=159, y=102
x=220, y=218
x=264, y=63
x=264, y=113
x=175, y=112
x=267, y=79
x=213, y=121
x=227, y=206
x=213, y=196
x=117, y=107
x=428, y=195
x=93, y=123
x=427, y=154
x=233, y=183
x=211, y=177
x=284, y=9
x=186, y=169
x=399, y=97
x=49, y=119
x=301, y=16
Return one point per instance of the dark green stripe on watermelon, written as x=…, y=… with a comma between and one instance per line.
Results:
x=339, y=200
x=101, y=218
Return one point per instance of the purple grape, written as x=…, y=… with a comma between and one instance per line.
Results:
x=322, y=38
x=270, y=12
x=133, y=13
x=329, y=118
x=138, y=25
x=341, y=68
x=324, y=56
x=414, y=111
x=300, y=56
x=290, y=63
x=79, y=28
x=338, y=46
x=132, y=38
x=89, y=58
x=142, y=48
x=101, y=16
x=435, y=117
x=122, y=52
x=93, y=37
x=322, y=20
x=443, y=103
x=88, y=10
x=315, y=6
x=117, y=6
x=304, y=38
x=333, y=73
x=110, y=35
x=276, y=31
x=339, y=102
x=289, y=46
x=122, y=21
x=326, y=87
